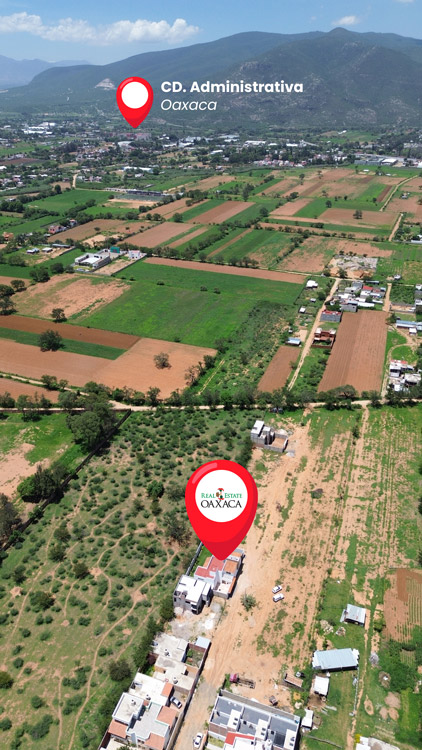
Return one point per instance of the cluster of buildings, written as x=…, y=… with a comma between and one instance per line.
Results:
x=359, y=294
x=149, y=714
x=213, y=578
x=402, y=376
x=266, y=437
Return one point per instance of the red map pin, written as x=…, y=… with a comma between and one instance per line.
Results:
x=134, y=99
x=221, y=501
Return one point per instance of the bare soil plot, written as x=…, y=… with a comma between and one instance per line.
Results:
x=188, y=237
x=17, y=388
x=300, y=226
x=350, y=247
x=7, y=279
x=289, y=208
x=413, y=185
x=14, y=467
x=175, y=207
x=383, y=194
x=221, y=213
x=76, y=333
x=410, y=205
x=369, y=218
x=211, y=182
x=73, y=295
x=403, y=603
x=83, y=231
x=253, y=272
x=158, y=234
x=357, y=356
x=277, y=372
x=136, y=368
x=308, y=258
x=31, y=362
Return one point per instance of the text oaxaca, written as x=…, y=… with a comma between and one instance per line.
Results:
x=228, y=500
x=227, y=87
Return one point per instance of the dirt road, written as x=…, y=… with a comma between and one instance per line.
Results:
x=308, y=342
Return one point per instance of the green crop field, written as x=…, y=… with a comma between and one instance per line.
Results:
x=69, y=199
x=200, y=208
x=167, y=303
x=261, y=244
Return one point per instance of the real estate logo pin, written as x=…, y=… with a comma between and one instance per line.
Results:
x=221, y=501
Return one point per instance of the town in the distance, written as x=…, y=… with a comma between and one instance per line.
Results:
x=168, y=297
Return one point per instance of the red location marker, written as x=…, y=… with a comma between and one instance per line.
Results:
x=134, y=99
x=221, y=501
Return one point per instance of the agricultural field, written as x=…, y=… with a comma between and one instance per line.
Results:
x=357, y=356
x=167, y=302
x=106, y=561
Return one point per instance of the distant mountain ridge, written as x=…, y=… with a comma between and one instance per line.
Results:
x=19, y=72
x=350, y=79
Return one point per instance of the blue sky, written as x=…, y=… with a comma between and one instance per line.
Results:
x=100, y=31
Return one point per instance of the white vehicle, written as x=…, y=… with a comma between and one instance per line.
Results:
x=197, y=742
x=278, y=597
x=276, y=589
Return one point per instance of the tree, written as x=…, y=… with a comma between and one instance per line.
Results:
x=178, y=217
x=7, y=306
x=119, y=670
x=6, y=680
x=176, y=528
x=6, y=290
x=374, y=398
x=8, y=516
x=39, y=274
x=58, y=315
x=62, y=534
x=167, y=608
x=248, y=601
x=57, y=553
x=152, y=396
x=41, y=600
x=162, y=360
x=18, y=285
x=192, y=375
x=155, y=489
x=57, y=268
x=50, y=340
x=80, y=570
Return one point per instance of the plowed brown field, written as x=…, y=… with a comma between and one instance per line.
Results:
x=157, y=235
x=17, y=388
x=357, y=356
x=289, y=208
x=169, y=209
x=73, y=293
x=221, y=213
x=369, y=218
x=403, y=603
x=277, y=372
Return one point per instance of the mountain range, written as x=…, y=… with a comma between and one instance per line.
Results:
x=349, y=80
x=19, y=72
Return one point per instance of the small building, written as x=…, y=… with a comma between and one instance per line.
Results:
x=409, y=324
x=262, y=434
x=336, y=659
x=321, y=686
x=135, y=254
x=331, y=316
x=291, y=681
x=308, y=720
x=354, y=614
x=302, y=310
x=311, y=284
x=192, y=594
x=348, y=307
x=294, y=341
x=33, y=251
x=91, y=261
x=323, y=339
x=47, y=249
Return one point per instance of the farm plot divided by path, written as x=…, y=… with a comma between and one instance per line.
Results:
x=221, y=213
x=76, y=333
x=403, y=603
x=358, y=354
x=157, y=235
x=253, y=273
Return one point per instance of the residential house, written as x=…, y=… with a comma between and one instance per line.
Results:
x=234, y=715
x=354, y=614
x=336, y=659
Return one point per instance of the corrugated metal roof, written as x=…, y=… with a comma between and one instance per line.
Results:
x=357, y=614
x=336, y=658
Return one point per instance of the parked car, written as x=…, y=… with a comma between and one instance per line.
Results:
x=278, y=597
x=197, y=741
x=276, y=589
x=176, y=702
x=300, y=674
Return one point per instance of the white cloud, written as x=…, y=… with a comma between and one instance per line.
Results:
x=405, y=1
x=346, y=21
x=74, y=30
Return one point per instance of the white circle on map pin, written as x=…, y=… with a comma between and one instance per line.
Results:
x=135, y=95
